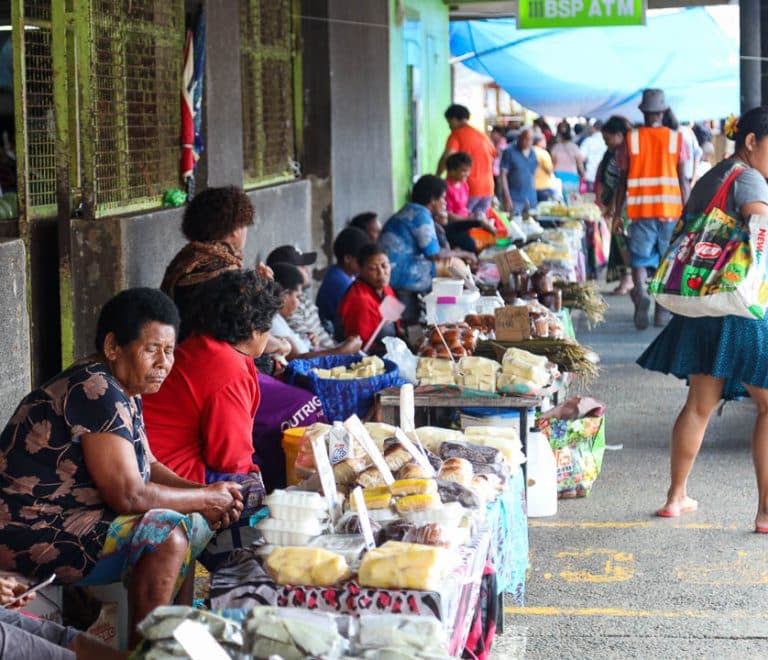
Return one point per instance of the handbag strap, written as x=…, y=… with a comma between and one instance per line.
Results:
x=720, y=200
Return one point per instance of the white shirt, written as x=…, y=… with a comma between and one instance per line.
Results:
x=280, y=328
x=593, y=149
x=694, y=151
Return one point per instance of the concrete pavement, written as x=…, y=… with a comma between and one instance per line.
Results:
x=609, y=580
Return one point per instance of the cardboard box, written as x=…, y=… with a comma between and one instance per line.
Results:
x=513, y=261
x=512, y=324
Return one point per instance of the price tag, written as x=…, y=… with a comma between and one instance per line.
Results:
x=414, y=451
x=362, y=514
x=407, y=408
x=360, y=433
x=198, y=642
x=325, y=472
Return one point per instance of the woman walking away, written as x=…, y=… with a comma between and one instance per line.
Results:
x=606, y=182
x=718, y=354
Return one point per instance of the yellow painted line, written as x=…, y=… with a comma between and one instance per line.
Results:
x=626, y=525
x=608, y=611
x=589, y=525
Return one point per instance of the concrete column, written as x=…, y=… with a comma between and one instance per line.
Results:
x=361, y=143
x=764, y=46
x=14, y=328
x=222, y=113
x=751, y=83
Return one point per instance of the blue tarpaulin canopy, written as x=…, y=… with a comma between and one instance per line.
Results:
x=596, y=72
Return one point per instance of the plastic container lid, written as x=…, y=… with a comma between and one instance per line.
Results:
x=349, y=546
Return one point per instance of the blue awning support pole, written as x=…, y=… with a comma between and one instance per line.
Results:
x=751, y=83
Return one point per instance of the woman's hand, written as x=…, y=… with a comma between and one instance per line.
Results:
x=350, y=346
x=10, y=589
x=223, y=504
x=265, y=271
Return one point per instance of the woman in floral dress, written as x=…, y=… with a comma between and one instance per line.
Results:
x=82, y=494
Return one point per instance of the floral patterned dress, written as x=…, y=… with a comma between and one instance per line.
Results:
x=52, y=517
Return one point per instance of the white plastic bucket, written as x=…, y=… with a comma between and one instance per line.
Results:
x=542, y=477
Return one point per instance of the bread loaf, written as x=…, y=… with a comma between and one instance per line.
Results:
x=412, y=471
x=370, y=478
x=396, y=456
x=458, y=470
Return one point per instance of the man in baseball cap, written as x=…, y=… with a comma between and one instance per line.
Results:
x=287, y=254
x=305, y=321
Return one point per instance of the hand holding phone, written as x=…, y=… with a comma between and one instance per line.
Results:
x=24, y=595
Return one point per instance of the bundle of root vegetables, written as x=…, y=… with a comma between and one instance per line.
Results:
x=568, y=355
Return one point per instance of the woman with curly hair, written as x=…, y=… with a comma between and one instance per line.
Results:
x=201, y=420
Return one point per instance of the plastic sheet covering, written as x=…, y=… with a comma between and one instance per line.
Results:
x=597, y=72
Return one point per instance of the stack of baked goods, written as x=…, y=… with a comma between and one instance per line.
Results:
x=460, y=341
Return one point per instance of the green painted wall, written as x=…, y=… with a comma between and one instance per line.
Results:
x=419, y=37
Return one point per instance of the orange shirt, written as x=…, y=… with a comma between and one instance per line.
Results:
x=481, y=150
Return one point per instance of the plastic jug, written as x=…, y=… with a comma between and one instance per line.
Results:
x=542, y=476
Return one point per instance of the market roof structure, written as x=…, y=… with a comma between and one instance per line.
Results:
x=596, y=72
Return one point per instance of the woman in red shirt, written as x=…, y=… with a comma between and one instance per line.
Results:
x=201, y=419
x=359, y=308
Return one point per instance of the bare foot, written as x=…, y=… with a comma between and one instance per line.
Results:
x=677, y=506
x=625, y=286
x=761, y=522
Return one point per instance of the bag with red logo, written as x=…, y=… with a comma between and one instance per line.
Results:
x=716, y=265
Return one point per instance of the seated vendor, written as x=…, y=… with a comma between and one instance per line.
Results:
x=83, y=495
x=459, y=220
x=410, y=240
x=305, y=319
x=341, y=275
x=200, y=421
x=291, y=279
x=369, y=223
x=359, y=308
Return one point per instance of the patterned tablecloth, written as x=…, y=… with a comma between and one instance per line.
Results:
x=244, y=585
x=507, y=521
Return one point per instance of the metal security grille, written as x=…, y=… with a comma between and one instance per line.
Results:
x=137, y=49
x=266, y=70
x=40, y=125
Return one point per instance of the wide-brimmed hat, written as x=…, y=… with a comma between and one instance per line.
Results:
x=653, y=101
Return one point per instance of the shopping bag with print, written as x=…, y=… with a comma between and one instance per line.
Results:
x=716, y=264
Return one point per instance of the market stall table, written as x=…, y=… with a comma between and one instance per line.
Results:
x=243, y=585
x=436, y=396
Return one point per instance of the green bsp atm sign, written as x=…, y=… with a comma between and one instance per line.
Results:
x=579, y=13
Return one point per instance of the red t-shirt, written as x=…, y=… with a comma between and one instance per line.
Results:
x=359, y=309
x=203, y=414
x=457, y=197
x=480, y=148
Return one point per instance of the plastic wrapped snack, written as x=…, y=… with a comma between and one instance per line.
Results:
x=429, y=534
x=405, y=566
x=478, y=373
x=432, y=437
x=292, y=634
x=307, y=566
x=422, y=634
x=162, y=621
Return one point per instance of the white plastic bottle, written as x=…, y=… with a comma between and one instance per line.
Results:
x=542, y=476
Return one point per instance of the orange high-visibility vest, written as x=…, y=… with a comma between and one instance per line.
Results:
x=653, y=186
